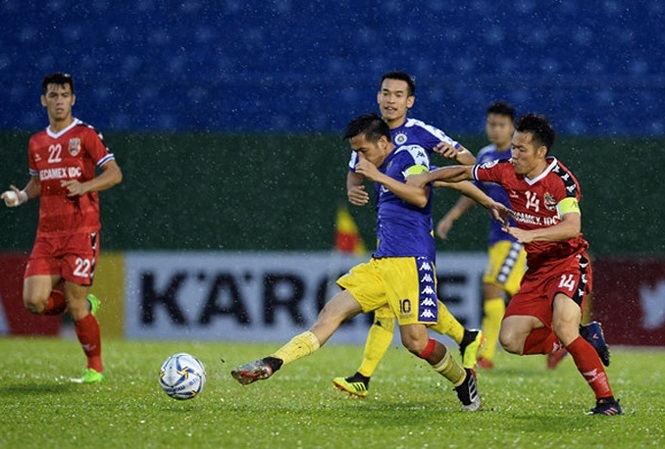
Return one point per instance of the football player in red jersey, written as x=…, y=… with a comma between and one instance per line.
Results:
x=546, y=312
x=63, y=160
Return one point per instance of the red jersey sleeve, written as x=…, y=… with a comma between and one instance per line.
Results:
x=492, y=171
x=97, y=149
x=32, y=165
x=569, y=186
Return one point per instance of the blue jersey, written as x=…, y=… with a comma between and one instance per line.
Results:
x=494, y=191
x=413, y=132
x=402, y=229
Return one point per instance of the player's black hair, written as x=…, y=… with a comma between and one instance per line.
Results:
x=501, y=108
x=59, y=79
x=402, y=76
x=540, y=128
x=371, y=125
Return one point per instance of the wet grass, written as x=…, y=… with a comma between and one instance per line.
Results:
x=409, y=405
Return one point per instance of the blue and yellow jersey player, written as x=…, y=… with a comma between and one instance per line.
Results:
x=507, y=258
x=395, y=97
x=397, y=273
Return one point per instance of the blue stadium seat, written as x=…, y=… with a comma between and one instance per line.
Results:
x=595, y=68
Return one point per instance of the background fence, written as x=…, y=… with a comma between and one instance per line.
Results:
x=214, y=191
x=596, y=67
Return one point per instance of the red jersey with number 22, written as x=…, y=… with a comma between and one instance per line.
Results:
x=72, y=154
x=534, y=204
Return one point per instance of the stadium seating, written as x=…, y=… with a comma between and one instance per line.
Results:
x=596, y=68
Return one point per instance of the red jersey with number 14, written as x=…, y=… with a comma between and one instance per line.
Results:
x=71, y=154
x=534, y=204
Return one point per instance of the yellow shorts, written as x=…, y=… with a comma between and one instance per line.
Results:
x=506, y=266
x=406, y=284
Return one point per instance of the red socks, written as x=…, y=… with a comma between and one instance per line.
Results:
x=56, y=303
x=544, y=341
x=87, y=331
x=589, y=365
x=540, y=341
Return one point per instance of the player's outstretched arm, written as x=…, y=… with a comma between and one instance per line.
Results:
x=355, y=190
x=469, y=190
x=444, y=225
x=498, y=211
x=458, y=153
x=454, y=173
x=15, y=197
x=110, y=176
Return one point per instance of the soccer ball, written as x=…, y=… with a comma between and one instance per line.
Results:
x=182, y=376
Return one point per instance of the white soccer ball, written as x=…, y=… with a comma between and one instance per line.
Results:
x=182, y=376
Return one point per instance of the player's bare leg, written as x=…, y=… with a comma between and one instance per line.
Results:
x=566, y=325
x=520, y=335
x=341, y=307
x=555, y=358
x=381, y=334
x=416, y=339
x=40, y=298
x=87, y=330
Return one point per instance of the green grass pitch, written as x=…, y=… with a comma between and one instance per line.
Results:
x=409, y=405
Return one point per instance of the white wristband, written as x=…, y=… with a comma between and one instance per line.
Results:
x=22, y=197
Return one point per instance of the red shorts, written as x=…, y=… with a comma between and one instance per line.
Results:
x=73, y=257
x=571, y=276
